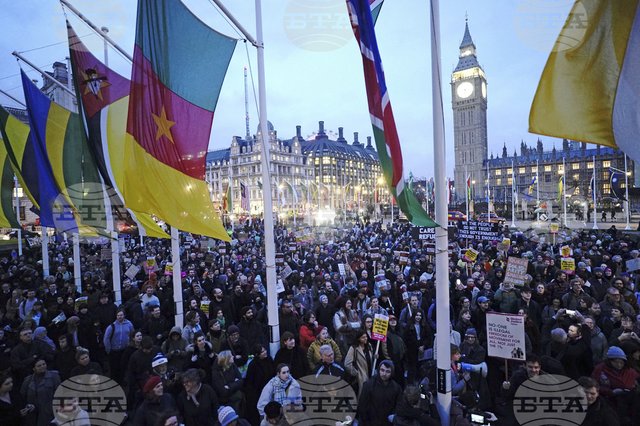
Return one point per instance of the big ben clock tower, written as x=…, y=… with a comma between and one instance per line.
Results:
x=469, y=102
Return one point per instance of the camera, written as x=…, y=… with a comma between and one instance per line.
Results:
x=477, y=419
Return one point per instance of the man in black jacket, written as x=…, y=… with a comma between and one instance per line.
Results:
x=599, y=413
x=379, y=397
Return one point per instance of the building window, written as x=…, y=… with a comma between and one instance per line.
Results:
x=509, y=171
x=575, y=166
x=547, y=168
x=534, y=169
x=498, y=172
x=326, y=160
x=560, y=169
x=590, y=165
x=499, y=181
x=606, y=163
x=576, y=176
x=522, y=170
x=509, y=181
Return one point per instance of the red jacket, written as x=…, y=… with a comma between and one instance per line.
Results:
x=610, y=378
x=307, y=336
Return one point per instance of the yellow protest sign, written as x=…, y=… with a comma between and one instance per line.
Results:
x=565, y=251
x=568, y=265
x=380, y=326
x=554, y=228
x=471, y=255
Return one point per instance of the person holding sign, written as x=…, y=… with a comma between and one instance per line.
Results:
x=359, y=359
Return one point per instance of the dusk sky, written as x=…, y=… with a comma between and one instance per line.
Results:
x=314, y=68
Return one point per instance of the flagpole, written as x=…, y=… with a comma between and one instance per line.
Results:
x=16, y=202
x=177, y=276
x=626, y=190
x=513, y=195
x=443, y=321
x=564, y=191
x=45, y=252
x=466, y=191
x=537, y=192
x=77, y=277
x=595, y=209
x=269, y=242
x=488, y=193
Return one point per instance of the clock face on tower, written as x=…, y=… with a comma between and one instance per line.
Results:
x=484, y=90
x=464, y=89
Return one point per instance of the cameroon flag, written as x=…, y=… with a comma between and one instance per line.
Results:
x=179, y=65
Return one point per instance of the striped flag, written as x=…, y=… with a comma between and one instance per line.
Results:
x=244, y=197
x=560, y=187
x=589, y=88
x=381, y=113
x=469, y=187
x=227, y=200
x=101, y=94
x=532, y=185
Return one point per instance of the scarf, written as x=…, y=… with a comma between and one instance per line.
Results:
x=280, y=390
x=192, y=396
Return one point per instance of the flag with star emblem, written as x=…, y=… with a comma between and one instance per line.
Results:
x=381, y=113
x=102, y=93
x=179, y=65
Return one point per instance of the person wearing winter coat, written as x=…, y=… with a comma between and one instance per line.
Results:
x=322, y=338
x=599, y=344
x=599, y=412
x=617, y=381
x=200, y=355
x=359, y=359
x=292, y=355
x=175, y=347
x=283, y=389
x=227, y=381
x=379, y=397
x=38, y=389
x=198, y=402
x=259, y=372
x=156, y=401
x=307, y=330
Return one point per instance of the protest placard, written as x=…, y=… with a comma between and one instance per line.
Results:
x=150, y=264
x=286, y=271
x=279, y=286
x=374, y=252
x=168, y=268
x=404, y=257
x=505, y=336
x=565, y=251
x=380, y=326
x=279, y=259
x=516, y=272
x=568, y=265
x=504, y=245
x=105, y=253
x=475, y=230
x=471, y=255
x=633, y=264
x=554, y=228
x=341, y=269
x=132, y=272
x=204, y=306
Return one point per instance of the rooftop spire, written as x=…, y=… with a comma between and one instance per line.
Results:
x=466, y=39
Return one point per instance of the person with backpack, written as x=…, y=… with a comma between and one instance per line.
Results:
x=116, y=340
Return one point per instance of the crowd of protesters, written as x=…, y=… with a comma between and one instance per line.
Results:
x=217, y=369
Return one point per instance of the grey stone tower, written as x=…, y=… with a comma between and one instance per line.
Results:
x=469, y=102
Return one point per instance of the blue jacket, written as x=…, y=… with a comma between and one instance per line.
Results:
x=116, y=336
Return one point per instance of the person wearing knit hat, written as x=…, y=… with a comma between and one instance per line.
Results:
x=228, y=417
x=615, y=352
x=151, y=383
x=156, y=402
x=158, y=360
x=322, y=338
x=233, y=329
